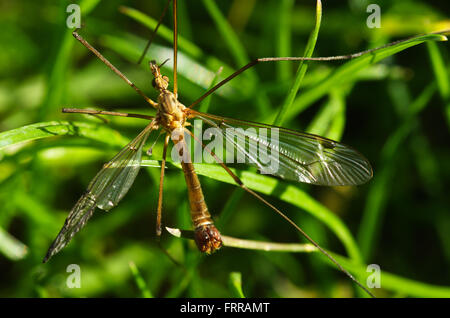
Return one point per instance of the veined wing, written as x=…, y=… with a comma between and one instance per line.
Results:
x=292, y=155
x=105, y=191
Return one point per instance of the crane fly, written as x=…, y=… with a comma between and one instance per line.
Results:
x=302, y=157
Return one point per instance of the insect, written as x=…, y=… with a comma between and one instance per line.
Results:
x=302, y=157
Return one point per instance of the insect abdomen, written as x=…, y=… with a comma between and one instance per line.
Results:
x=207, y=236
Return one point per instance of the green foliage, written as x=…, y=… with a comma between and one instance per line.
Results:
x=140, y=282
x=235, y=284
x=392, y=105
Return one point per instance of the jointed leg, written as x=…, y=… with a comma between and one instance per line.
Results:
x=104, y=112
x=276, y=59
x=175, y=48
x=154, y=32
x=161, y=182
x=112, y=67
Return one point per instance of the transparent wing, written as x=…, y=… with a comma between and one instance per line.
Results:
x=105, y=191
x=289, y=154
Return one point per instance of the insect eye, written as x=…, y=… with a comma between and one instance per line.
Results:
x=154, y=83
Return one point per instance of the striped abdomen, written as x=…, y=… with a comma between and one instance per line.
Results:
x=207, y=236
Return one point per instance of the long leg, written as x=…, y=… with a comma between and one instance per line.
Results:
x=104, y=112
x=154, y=32
x=161, y=182
x=239, y=182
x=175, y=48
x=112, y=67
x=276, y=59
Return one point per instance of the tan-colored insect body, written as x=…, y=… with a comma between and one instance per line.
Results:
x=171, y=115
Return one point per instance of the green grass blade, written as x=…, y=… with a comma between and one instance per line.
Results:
x=284, y=38
x=187, y=67
x=230, y=37
x=379, y=191
x=235, y=285
x=439, y=69
x=397, y=283
x=389, y=281
x=56, y=86
x=301, y=69
x=236, y=49
x=204, y=105
x=163, y=31
x=229, y=207
x=349, y=71
x=96, y=132
x=11, y=247
x=330, y=120
x=130, y=47
x=441, y=74
x=184, y=21
x=250, y=244
x=140, y=282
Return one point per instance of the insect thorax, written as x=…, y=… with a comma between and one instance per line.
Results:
x=171, y=113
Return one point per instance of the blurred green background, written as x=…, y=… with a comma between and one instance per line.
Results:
x=395, y=112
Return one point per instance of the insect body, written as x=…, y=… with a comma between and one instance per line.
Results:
x=171, y=115
x=301, y=157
